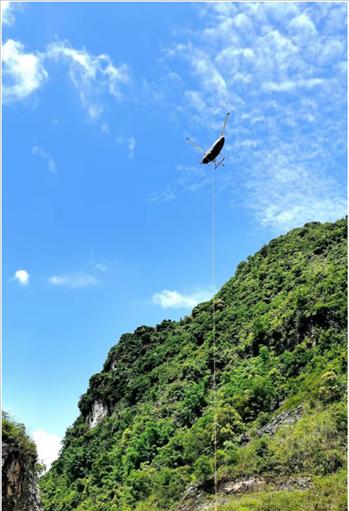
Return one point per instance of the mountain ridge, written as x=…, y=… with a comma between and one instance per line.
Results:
x=145, y=433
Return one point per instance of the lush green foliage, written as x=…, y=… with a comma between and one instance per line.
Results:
x=281, y=342
x=15, y=434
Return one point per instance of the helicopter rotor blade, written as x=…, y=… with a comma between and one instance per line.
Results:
x=196, y=146
x=225, y=122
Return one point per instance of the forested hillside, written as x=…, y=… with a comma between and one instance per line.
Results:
x=144, y=439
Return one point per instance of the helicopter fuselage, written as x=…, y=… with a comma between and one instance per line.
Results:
x=214, y=150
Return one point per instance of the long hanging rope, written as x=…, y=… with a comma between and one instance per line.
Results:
x=213, y=262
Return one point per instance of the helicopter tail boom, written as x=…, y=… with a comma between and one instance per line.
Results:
x=225, y=122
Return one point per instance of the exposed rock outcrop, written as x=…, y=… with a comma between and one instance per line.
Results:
x=98, y=412
x=243, y=485
x=19, y=479
x=255, y=483
x=284, y=418
x=195, y=499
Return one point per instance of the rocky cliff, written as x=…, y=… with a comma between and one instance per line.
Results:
x=20, y=490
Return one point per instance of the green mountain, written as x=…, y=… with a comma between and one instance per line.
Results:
x=145, y=438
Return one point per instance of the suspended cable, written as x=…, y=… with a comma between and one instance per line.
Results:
x=214, y=346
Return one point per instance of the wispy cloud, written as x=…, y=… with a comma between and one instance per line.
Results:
x=167, y=195
x=105, y=128
x=95, y=77
x=131, y=146
x=129, y=143
x=22, y=277
x=101, y=267
x=74, y=280
x=289, y=85
x=98, y=266
x=287, y=191
x=281, y=70
x=188, y=179
x=91, y=75
x=172, y=299
x=41, y=153
x=7, y=16
x=23, y=72
x=48, y=446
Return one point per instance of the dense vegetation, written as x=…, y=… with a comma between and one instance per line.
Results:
x=15, y=433
x=281, y=345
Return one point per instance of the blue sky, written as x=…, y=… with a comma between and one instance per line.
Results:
x=106, y=209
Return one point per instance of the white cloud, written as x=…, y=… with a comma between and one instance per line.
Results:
x=209, y=74
x=91, y=75
x=168, y=195
x=279, y=69
x=302, y=23
x=7, y=16
x=130, y=144
x=195, y=100
x=23, y=73
x=73, y=280
x=39, y=151
x=286, y=191
x=48, y=446
x=101, y=267
x=262, y=51
x=168, y=299
x=94, y=76
x=22, y=277
x=333, y=17
x=290, y=85
x=105, y=128
x=98, y=266
x=189, y=179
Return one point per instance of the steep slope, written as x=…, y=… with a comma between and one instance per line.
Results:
x=144, y=439
x=19, y=469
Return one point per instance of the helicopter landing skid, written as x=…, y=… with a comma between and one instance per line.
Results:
x=216, y=165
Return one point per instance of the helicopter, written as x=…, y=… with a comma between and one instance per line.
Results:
x=211, y=154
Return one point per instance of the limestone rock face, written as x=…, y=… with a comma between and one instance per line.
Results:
x=99, y=411
x=19, y=480
x=244, y=485
x=285, y=418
